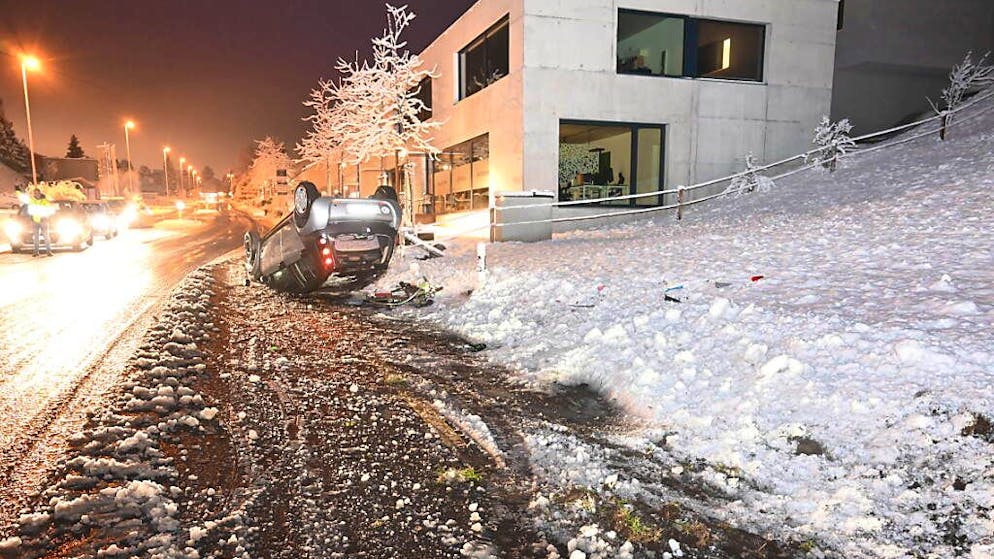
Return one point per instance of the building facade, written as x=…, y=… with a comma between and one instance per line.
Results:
x=893, y=54
x=599, y=98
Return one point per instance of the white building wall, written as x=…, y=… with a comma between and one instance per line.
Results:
x=570, y=73
x=563, y=66
x=495, y=110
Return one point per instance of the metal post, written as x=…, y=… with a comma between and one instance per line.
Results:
x=942, y=127
x=327, y=176
x=27, y=110
x=165, y=169
x=679, y=203
x=127, y=144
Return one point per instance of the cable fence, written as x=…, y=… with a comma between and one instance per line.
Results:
x=817, y=157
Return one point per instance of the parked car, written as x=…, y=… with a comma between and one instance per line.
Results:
x=9, y=201
x=348, y=240
x=69, y=227
x=102, y=220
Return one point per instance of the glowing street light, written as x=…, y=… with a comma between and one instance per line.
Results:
x=165, y=168
x=129, y=125
x=29, y=63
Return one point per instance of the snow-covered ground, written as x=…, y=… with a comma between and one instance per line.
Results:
x=844, y=398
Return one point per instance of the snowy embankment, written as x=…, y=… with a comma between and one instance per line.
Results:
x=118, y=494
x=844, y=398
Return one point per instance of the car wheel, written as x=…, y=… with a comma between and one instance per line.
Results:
x=15, y=248
x=303, y=198
x=89, y=242
x=253, y=248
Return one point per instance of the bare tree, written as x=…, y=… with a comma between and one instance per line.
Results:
x=270, y=156
x=966, y=77
x=373, y=109
x=750, y=180
x=833, y=141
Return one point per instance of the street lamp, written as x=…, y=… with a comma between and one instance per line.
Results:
x=129, y=125
x=182, y=161
x=165, y=168
x=33, y=64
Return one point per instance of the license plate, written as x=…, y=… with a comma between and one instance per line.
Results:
x=356, y=245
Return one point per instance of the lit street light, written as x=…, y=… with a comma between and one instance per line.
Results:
x=127, y=143
x=165, y=168
x=33, y=64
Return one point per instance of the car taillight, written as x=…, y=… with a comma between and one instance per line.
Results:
x=327, y=254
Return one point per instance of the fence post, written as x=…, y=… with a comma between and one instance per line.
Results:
x=942, y=126
x=679, y=203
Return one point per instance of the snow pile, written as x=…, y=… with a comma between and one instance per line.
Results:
x=119, y=482
x=831, y=358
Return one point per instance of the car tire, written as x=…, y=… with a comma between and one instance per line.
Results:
x=303, y=198
x=253, y=248
x=89, y=242
x=15, y=249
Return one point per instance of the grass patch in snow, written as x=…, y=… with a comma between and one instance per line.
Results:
x=628, y=523
x=395, y=379
x=459, y=475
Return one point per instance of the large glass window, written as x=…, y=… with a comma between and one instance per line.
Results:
x=601, y=160
x=461, y=177
x=485, y=60
x=424, y=95
x=673, y=45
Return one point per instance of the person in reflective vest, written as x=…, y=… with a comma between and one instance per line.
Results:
x=41, y=210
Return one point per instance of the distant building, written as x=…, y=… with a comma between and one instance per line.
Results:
x=597, y=98
x=83, y=170
x=61, y=168
x=892, y=54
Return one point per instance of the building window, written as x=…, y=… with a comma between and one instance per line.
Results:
x=423, y=94
x=601, y=160
x=485, y=60
x=461, y=176
x=673, y=45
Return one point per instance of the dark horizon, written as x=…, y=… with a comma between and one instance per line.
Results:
x=205, y=80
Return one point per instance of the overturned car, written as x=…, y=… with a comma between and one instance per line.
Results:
x=342, y=241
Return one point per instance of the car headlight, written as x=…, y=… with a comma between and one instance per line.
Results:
x=68, y=229
x=101, y=222
x=13, y=230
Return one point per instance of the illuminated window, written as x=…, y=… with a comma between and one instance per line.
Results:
x=679, y=46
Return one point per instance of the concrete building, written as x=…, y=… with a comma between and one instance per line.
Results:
x=594, y=98
x=892, y=54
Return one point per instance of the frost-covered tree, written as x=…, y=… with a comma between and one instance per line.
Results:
x=74, y=151
x=750, y=180
x=833, y=142
x=374, y=109
x=966, y=77
x=270, y=156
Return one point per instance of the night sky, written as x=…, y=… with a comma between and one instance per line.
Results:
x=204, y=77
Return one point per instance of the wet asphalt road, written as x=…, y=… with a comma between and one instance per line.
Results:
x=69, y=323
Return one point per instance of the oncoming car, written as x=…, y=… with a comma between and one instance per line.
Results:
x=324, y=238
x=68, y=227
x=102, y=220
